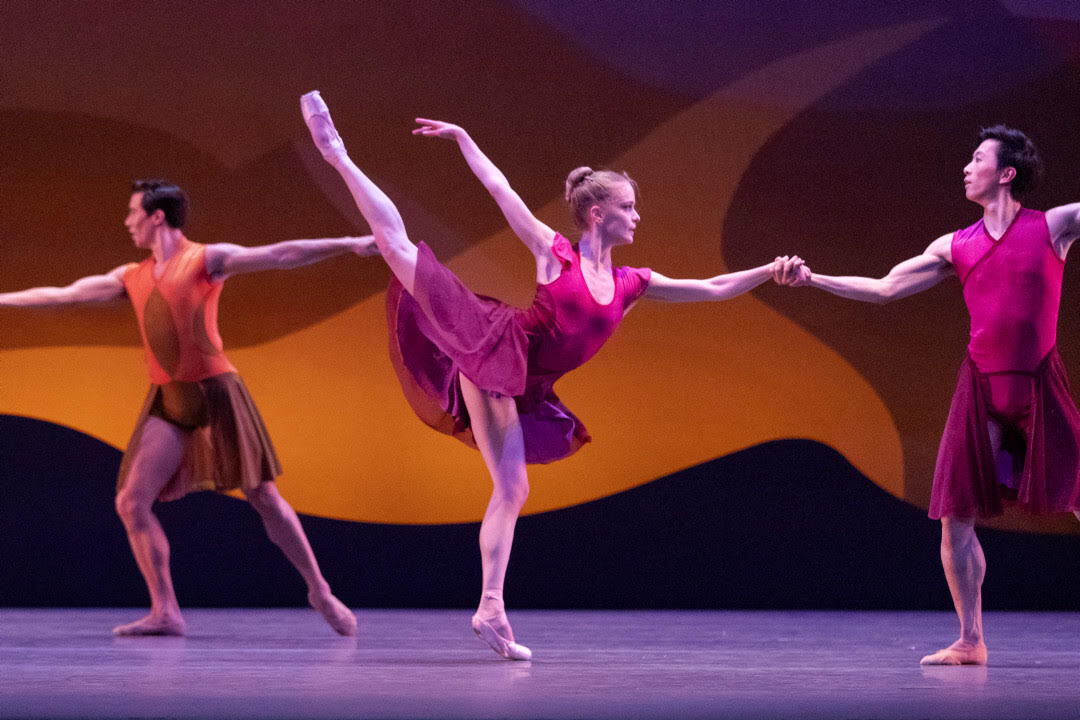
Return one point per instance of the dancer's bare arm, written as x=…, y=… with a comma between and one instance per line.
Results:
x=721, y=287
x=537, y=236
x=225, y=259
x=1064, y=224
x=92, y=289
x=909, y=277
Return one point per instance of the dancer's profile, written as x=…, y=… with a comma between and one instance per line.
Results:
x=1013, y=431
x=482, y=370
x=199, y=428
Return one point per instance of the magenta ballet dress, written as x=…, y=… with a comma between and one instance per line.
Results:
x=444, y=329
x=1013, y=375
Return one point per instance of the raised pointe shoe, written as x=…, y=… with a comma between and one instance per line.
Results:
x=507, y=648
x=317, y=118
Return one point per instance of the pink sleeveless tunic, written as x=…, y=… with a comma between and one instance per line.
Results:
x=444, y=329
x=1013, y=374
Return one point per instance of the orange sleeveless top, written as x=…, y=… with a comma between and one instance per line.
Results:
x=178, y=316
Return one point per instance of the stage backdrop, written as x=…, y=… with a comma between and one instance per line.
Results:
x=771, y=451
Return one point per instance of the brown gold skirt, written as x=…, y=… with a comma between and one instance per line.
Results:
x=228, y=447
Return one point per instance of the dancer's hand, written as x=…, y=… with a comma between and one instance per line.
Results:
x=790, y=271
x=803, y=278
x=438, y=128
x=364, y=246
x=778, y=269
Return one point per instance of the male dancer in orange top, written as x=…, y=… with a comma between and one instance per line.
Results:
x=199, y=429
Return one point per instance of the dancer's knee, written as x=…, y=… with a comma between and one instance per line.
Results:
x=395, y=245
x=513, y=491
x=957, y=536
x=132, y=509
x=264, y=497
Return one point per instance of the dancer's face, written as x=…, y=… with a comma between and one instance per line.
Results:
x=139, y=224
x=619, y=216
x=982, y=177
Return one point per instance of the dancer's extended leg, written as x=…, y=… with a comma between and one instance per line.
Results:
x=965, y=566
x=284, y=529
x=160, y=450
x=380, y=213
x=497, y=430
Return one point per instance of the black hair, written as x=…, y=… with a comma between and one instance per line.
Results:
x=1016, y=150
x=163, y=195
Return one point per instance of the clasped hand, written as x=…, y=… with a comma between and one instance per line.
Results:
x=791, y=271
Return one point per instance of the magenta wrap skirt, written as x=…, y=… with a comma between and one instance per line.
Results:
x=1045, y=445
x=444, y=329
x=228, y=447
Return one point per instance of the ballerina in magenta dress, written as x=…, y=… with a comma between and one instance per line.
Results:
x=482, y=370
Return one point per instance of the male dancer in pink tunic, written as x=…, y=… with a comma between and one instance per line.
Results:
x=1013, y=432
x=199, y=429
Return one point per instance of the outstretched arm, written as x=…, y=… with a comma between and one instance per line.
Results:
x=93, y=289
x=1064, y=224
x=721, y=287
x=225, y=259
x=535, y=234
x=909, y=277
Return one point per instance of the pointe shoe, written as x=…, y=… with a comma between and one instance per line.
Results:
x=953, y=655
x=317, y=118
x=336, y=614
x=507, y=648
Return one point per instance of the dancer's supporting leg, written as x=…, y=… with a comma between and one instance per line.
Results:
x=497, y=430
x=284, y=529
x=495, y=422
x=965, y=567
x=161, y=448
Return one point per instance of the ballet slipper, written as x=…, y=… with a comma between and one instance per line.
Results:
x=507, y=648
x=336, y=614
x=153, y=625
x=959, y=653
x=317, y=118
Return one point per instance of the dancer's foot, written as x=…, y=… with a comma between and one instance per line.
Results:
x=317, y=117
x=334, y=612
x=154, y=624
x=490, y=625
x=961, y=652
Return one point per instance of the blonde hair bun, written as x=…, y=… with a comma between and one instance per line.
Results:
x=576, y=176
x=586, y=187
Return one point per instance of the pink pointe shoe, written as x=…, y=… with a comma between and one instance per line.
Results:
x=507, y=648
x=317, y=118
x=335, y=612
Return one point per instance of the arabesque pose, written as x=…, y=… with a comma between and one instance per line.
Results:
x=483, y=370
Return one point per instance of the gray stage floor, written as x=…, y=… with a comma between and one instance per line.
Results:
x=428, y=664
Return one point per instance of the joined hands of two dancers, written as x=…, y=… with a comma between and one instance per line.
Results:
x=791, y=271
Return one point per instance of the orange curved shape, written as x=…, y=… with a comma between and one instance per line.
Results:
x=352, y=448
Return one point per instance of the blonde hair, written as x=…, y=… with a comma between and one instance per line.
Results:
x=586, y=187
